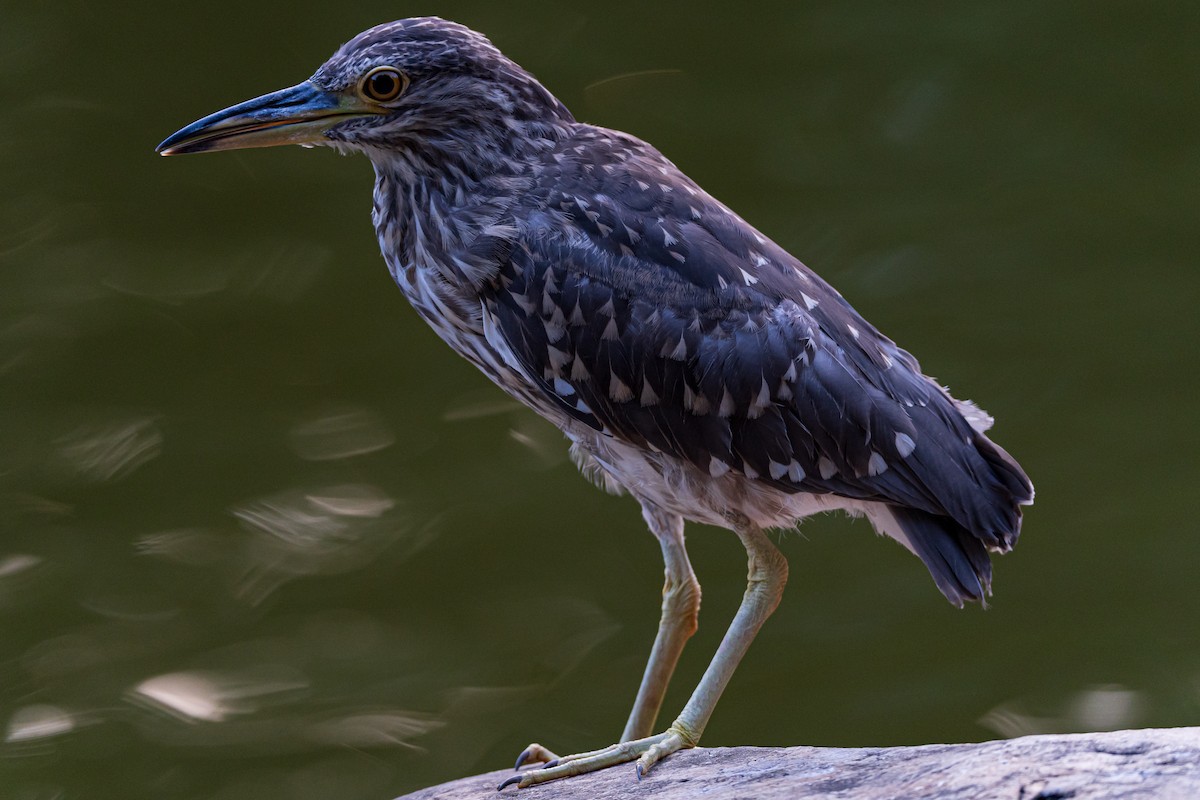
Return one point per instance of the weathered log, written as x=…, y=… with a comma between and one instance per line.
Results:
x=1156, y=763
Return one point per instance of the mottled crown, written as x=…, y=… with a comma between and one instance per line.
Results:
x=420, y=46
x=464, y=94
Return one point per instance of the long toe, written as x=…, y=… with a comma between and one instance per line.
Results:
x=671, y=742
x=535, y=754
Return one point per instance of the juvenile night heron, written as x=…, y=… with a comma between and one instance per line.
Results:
x=690, y=360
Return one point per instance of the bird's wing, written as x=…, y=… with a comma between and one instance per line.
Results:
x=651, y=309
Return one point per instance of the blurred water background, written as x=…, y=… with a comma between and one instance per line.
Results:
x=263, y=536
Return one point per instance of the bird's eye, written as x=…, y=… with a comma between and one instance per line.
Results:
x=383, y=84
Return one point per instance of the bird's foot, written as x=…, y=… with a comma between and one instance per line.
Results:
x=648, y=752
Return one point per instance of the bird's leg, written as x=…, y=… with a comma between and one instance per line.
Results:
x=680, y=611
x=767, y=574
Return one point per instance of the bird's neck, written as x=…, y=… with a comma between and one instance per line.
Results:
x=430, y=219
x=442, y=233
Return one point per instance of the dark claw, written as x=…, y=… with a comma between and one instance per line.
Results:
x=638, y=769
x=521, y=758
x=509, y=782
x=551, y=763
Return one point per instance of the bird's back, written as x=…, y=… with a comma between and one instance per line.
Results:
x=672, y=333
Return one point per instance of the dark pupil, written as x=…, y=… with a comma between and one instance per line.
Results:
x=383, y=84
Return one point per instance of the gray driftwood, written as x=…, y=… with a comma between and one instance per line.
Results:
x=1157, y=763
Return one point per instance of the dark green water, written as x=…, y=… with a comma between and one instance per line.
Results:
x=239, y=476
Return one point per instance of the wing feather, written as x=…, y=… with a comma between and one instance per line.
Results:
x=675, y=325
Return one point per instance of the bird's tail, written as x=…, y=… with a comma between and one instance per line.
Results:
x=1016, y=490
x=956, y=558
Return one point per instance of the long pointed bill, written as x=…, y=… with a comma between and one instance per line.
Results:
x=299, y=115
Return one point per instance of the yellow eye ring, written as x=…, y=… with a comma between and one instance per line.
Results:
x=383, y=84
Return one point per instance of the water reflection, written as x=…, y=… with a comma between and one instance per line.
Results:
x=474, y=410
x=192, y=546
x=340, y=433
x=1096, y=708
x=109, y=451
x=330, y=530
x=18, y=576
x=214, y=696
x=379, y=728
x=544, y=442
x=38, y=722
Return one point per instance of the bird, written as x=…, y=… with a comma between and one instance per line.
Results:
x=690, y=361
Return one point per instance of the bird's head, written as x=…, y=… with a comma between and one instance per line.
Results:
x=416, y=86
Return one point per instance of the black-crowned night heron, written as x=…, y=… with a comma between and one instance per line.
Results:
x=690, y=360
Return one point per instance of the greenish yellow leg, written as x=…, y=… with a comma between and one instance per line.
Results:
x=767, y=574
x=680, y=611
